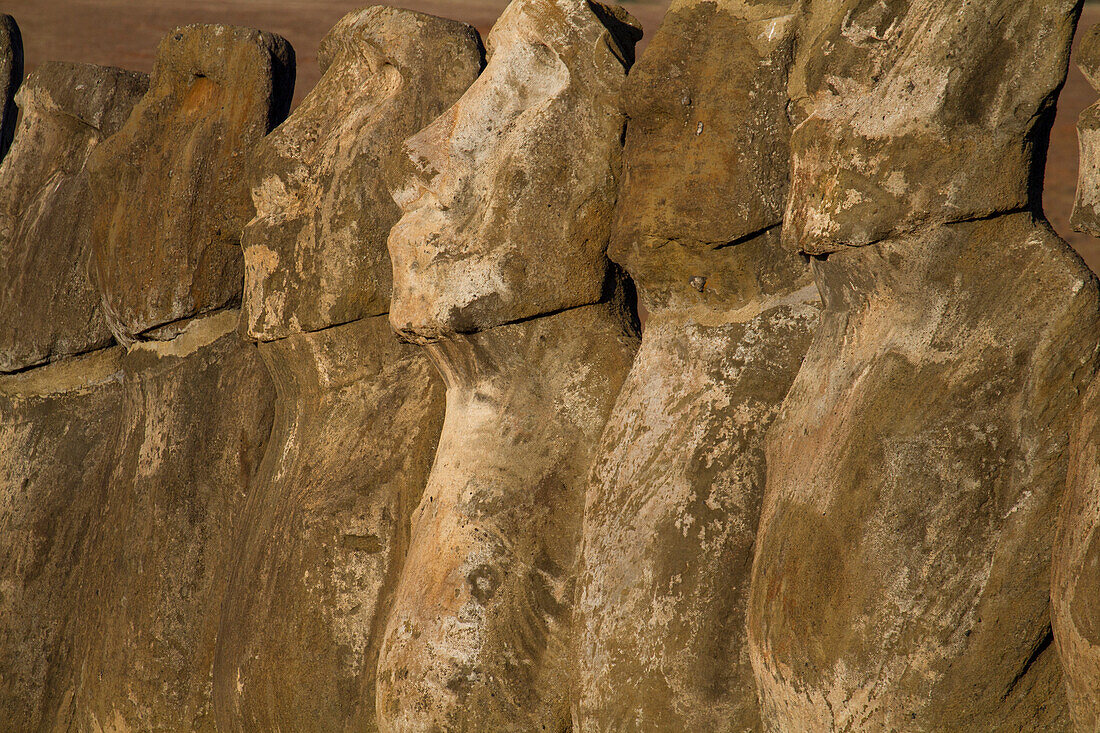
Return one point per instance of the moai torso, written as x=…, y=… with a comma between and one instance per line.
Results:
x=901, y=578
x=499, y=268
x=675, y=493
x=56, y=439
x=196, y=400
x=11, y=75
x=1075, y=588
x=57, y=450
x=50, y=308
x=171, y=187
x=358, y=413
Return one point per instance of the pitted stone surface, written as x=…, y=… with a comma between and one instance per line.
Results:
x=1086, y=208
x=358, y=414
x=706, y=156
x=548, y=91
x=154, y=566
x=1075, y=587
x=326, y=529
x=914, y=113
x=171, y=186
x=1075, y=591
x=124, y=476
x=58, y=438
x=481, y=636
x=315, y=255
x=50, y=308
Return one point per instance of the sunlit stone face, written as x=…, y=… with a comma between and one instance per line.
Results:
x=171, y=190
x=315, y=253
x=507, y=215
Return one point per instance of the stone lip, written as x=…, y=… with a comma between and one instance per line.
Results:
x=507, y=216
x=315, y=253
x=170, y=186
x=11, y=75
x=52, y=310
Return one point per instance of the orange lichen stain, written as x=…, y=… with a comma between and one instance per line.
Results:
x=203, y=94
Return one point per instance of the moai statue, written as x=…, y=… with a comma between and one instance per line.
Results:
x=499, y=268
x=358, y=413
x=171, y=187
x=56, y=425
x=676, y=490
x=49, y=307
x=11, y=75
x=197, y=401
x=1075, y=591
x=902, y=572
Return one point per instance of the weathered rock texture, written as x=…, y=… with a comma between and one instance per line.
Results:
x=358, y=414
x=1075, y=590
x=503, y=235
x=675, y=494
x=153, y=566
x=58, y=432
x=901, y=577
x=1075, y=587
x=125, y=479
x=1086, y=209
x=315, y=255
x=535, y=125
x=326, y=529
x=50, y=308
x=171, y=185
x=11, y=75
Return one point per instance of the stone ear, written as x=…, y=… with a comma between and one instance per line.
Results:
x=623, y=31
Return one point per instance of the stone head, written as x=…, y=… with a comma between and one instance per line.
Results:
x=706, y=153
x=1086, y=207
x=171, y=186
x=315, y=253
x=915, y=113
x=507, y=215
x=50, y=309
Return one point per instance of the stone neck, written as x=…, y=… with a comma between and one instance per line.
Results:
x=332, y=358
x=921, y=271
x=555, y=370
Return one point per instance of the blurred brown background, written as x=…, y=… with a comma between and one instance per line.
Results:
x=125, y=33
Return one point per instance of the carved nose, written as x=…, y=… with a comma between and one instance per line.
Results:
x=429, y=150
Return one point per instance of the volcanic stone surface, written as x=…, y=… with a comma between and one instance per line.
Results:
x=1075, y=590
x=675, y=495
x=50, y=308
x=358, y=414
x=902, y=570
x=499, y=267
x=315, y=255
x=11, y=75
x=171, y=186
